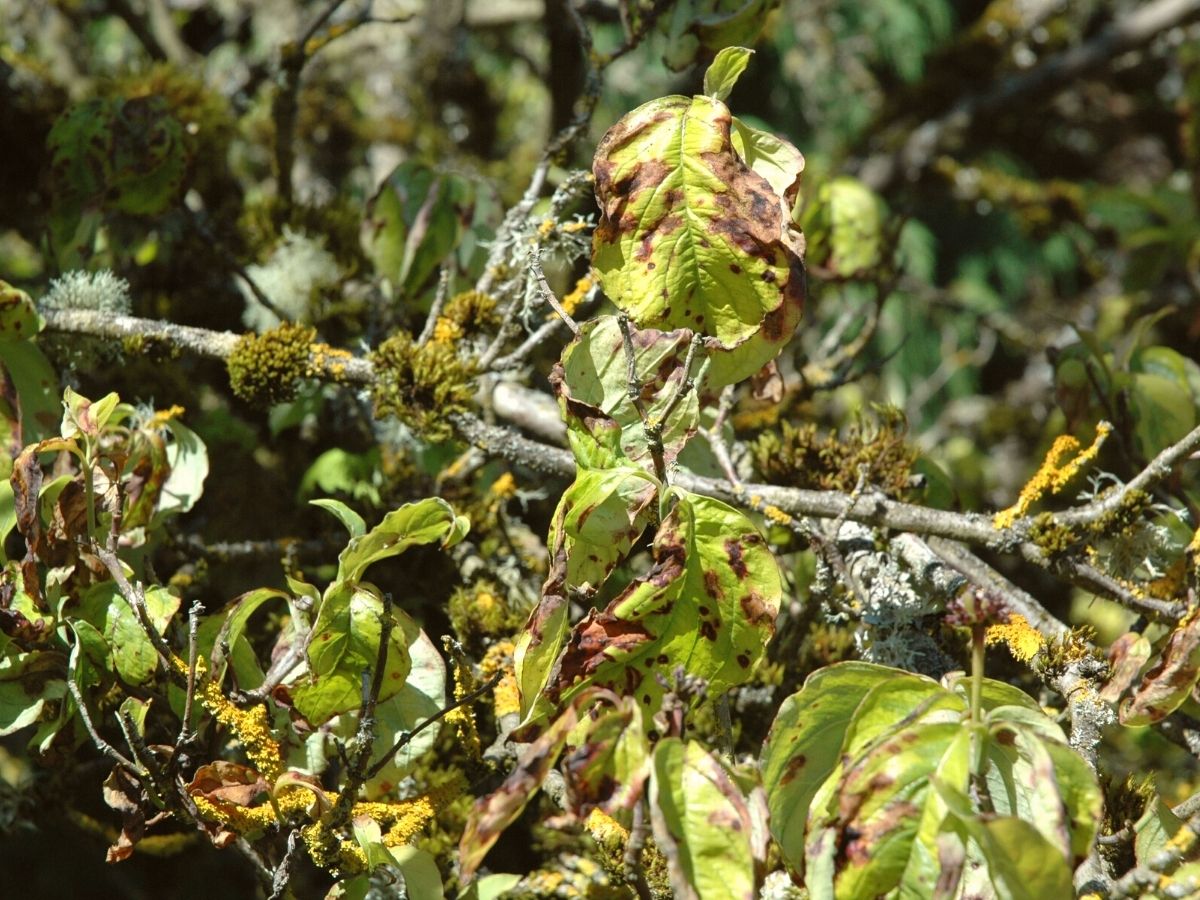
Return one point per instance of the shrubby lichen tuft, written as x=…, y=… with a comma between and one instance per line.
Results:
x=96, y=291
x=265, y=369
x=298, y=268
x=422, y=386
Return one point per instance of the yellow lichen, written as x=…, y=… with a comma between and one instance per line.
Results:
x=463, y=717
x=504, y=487
x=571, y=301
x=1062, y=463
x=252, y=727
x=506, y=696
x=611, y=838
x=422, y=385
x=1024, y=641
x=446, y=331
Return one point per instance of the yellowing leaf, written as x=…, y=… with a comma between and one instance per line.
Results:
x=708, y=604
x=691, y=237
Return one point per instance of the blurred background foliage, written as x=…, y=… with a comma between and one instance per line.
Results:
x=1014, y=243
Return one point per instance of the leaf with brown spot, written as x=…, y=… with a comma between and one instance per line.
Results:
x=805, y=744
x=691, y=236
x=671, y=613
x=592, y=384
x=1126, y=657
x=607, y=765
x=1165, y=687
x=492, y=814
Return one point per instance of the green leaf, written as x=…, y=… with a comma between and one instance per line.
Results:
x=724, y=71
x=708, y=605
x=39, y=406
x=353, y=521
x=227, y=629
x=805, y=744
x=696, y=27
x=844, y=226
x=423, y=696
x=429, y=521
x=414, y=222
x=19, y=319
x=84, y=416
x=1164, y=410
x=702, y=823
x=1154, y=830
x=133, y=652
x=1022, y=864
x=27, y=682
x=344, y=644
x=490, y=887
x=691, y=237
x=419, y=870
x=592, y=384
x=369, y=838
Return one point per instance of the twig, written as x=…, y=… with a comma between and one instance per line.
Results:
x=185, y=732
x=101, y=744
x=435, y=310
x=535, y=265
x=408, y=736
x=364, y=738
x=1154, y=472
x=283, y=872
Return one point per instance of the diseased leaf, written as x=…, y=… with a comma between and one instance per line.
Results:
x=691, y=237
x=724, y=71
x=608, y=759
x=925, y=871
x=492, y=814
x=592, y=384
x=1126, y=657
x=1166, y=685
x=19, y=319
x=708, y=605
x=805, y=744
x=344, y=643
x=872, y=818
x=702, y=823
x=599, y=518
